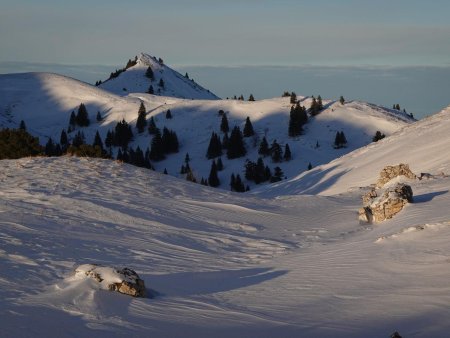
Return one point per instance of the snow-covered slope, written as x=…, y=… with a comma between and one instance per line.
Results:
x=44, y=101
x=220, y=264
x=133, y=80
x=423, y=145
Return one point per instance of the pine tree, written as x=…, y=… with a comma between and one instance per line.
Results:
x=236, y=146
x=22, y=125
x=190, y=177
x=99, y=117
x=109, y=140
x=378, y=136
x=293, y=99
x=79, y=139
x=165, y=171
x=343, y=139
x=276, y=152
x=152, y=129
x=151, y=90
x=186, y=75
x=183, y=170
x=214, y=147
x=224, y=124
x=342, y=100
x=251, y=97
x=225, y=141
x=219, y=164
x=141, y=122
x=241, y=98
x=139, y=159
x=161, y=83
x=248, y=128
x=213, y=179
x=232, y=181
x=98, y=141
x=238, y=185
x=264, y=148
x=297, y=118
x=168, y=114
x=287, y=153
x=72, y=120
x=119, y=155
x=319, y=103
x=170, y=141
x=277, y=175
x=63, y=140
x=309, y=166
x=122, y=134
x=50, y=148
x=82, y=118
x=187, y=159
x=157, y=148
x=149, y=73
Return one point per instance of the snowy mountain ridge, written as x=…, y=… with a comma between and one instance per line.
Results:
x=134, y=80
x=45, y=101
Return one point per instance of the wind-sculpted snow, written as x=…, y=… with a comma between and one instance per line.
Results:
x=217, y=263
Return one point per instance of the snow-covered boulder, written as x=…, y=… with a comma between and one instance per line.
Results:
x=382, y=205
x=392, y=171
x=124, y=280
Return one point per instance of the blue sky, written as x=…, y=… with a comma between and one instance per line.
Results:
x=208, y=32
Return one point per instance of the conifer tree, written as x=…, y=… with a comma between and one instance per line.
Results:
x=219, y=164
x=82, y=118
x=165, y=171
x=157, y=147
x=79, y=139
x=378, y=136
x=276, y=152
x=236, y=146
x=187, y=159
x=139, y=159
x=168, y=114
x=190, y=177
x=224, y=124
x=149, y=73
x=287, y=153
x=183, y=170
x=98, y=141
x=277, y=175
x=248, y=128
x=72, y=120
x=99, y=117
x=293, y=98
x=109, y=140
x=22, y=125
x=122, y=134
x=161, y=83
x=342, y=100
x=238, y=185
x=297, y=118
x=309, y=166
x=152, y=129
x=213, y=179
x=141, y=122
x=214, y=147
x=63, y=140
x=232, y=181
x=225, y=141
x=319, y=103
x=50, y=148
x=264, y=148
x=119, y=155
x=151, y=90
x=147, y=163
x=251, y=97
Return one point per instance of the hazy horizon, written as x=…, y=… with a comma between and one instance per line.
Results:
x=420, y=90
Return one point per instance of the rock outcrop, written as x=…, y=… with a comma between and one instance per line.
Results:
x=392, y=171
x=388, y=203
x=381, y=203
x=124, y=280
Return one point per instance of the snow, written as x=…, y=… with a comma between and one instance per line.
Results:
x=220, y=263
x=44, y=101
x=133, y=80
x=422, y=145
x=286, y=260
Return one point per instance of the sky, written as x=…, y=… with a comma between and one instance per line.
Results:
x=232, y=32
x=383, y=51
